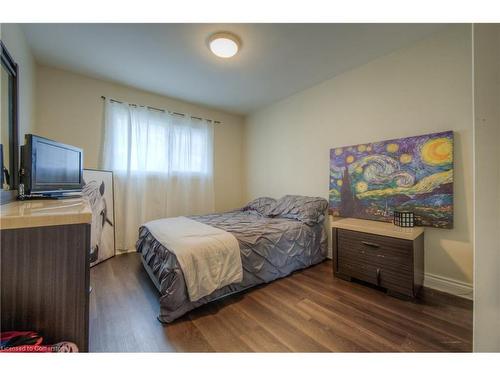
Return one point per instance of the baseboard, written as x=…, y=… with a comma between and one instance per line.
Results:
x=119, y=252
x=448, y=285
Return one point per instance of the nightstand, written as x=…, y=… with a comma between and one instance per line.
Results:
x=379, y=253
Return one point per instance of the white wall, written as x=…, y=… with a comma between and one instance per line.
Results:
x=487, y=187
x=424, y=88
x=13, y=38
x=70, y=110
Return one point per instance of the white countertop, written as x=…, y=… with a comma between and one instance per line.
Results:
x=376, y=227
x=41, y=213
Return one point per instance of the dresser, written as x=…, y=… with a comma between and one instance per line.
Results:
x=379, y=253
x=45, y=248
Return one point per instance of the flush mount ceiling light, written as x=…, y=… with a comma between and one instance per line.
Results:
x=224, y=44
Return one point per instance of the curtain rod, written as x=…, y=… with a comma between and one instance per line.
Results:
x=163, y=110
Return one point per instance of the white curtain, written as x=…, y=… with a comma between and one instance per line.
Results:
x=162, y=164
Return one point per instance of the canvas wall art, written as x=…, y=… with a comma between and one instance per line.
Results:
x=370, y=181
x=98, y=189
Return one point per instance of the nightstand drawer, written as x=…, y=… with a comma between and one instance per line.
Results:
x=373, y=249
x=380, y=260
x=401, y=282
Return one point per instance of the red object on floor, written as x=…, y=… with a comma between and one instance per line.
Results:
x=30, y=342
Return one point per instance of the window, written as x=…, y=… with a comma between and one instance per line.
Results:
x=162, y=165
x=141, y=140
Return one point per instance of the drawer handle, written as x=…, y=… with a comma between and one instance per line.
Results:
x=378, y=276
x=371, y=244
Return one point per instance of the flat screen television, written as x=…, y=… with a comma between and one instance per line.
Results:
x=50, y=168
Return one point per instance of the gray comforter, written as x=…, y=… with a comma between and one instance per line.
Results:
x=271, y=248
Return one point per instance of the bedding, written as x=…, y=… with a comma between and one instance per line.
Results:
x=209, y=257
x=270, y=248
x=262, y=205
x=310, y=210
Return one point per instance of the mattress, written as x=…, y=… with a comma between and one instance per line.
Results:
x=271, y=248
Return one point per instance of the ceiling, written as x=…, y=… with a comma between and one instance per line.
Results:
x=275, y=61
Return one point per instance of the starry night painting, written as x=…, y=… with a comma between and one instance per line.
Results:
x=370, y=181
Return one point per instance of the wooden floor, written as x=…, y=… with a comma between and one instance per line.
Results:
x=309, y=311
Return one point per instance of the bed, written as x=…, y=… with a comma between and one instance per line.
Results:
x=275, y=238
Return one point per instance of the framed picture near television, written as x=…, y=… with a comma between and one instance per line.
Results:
x=98, y=189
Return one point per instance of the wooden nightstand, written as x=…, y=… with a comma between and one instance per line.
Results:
x=379, y=253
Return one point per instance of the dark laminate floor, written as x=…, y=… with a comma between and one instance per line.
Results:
x=309, y=311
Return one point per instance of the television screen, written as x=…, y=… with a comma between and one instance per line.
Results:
x=50, y=167
x=56, y=164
